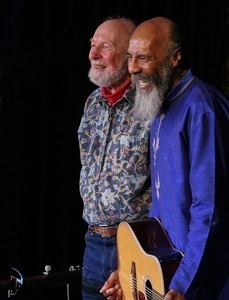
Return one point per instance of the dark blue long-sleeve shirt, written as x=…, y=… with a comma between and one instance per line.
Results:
x=189, y=171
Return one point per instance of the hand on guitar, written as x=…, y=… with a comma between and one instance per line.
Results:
x=173, y=295
x=111, y=288
x=112, y=291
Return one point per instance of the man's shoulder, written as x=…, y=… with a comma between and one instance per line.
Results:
x=96, y=93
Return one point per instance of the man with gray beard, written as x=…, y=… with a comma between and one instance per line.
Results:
x=151, y=92
x=148, y=102
x=189, y=152
x=114, y=152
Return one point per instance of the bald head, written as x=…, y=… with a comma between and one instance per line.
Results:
x=155, y=33
x=155, y=61
x=161, y=23
x=117, y=30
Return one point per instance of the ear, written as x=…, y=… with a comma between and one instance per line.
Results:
x=176, y=57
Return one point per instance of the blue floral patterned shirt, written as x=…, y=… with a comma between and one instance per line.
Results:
x=114, y=152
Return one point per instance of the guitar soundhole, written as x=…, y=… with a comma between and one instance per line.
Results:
x=148, y=292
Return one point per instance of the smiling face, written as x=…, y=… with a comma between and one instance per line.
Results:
x=149, y=50
x=108, y=53
x=152, y=59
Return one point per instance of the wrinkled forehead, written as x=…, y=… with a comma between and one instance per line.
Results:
x=148, y=37
x=143, y=43
x=112, y=29
x=140, y=44
x=105, y=31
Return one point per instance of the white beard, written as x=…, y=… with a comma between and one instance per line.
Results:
x=107, y=79
x=147, y=104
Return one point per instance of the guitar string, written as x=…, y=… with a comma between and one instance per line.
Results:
x=149, y=292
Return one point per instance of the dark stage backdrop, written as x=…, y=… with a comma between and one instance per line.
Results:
x=43, y=65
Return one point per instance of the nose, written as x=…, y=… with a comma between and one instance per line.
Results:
x=134, y=67
x=94, y=53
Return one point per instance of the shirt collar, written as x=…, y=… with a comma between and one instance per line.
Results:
x=180, y=87
x=113, y=98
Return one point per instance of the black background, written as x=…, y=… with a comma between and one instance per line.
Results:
x=43, y=65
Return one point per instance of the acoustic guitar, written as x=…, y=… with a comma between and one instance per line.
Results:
x=147, y=259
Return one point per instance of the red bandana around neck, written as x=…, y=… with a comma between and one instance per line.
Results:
x=113, y=98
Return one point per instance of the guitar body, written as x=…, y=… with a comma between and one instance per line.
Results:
x=146, y=260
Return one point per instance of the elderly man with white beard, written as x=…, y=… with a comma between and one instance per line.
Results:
x=189, y=152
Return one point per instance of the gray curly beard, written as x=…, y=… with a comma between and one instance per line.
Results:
x=147, y=104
